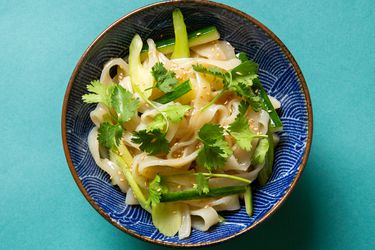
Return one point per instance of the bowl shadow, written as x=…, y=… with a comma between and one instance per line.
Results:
x=291, y=227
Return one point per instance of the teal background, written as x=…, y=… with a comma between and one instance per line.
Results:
x=332, y=206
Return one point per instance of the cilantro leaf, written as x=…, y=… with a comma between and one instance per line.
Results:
x=155, y=190
x=248, y=94
x=202, y=184
x=212, y=70
x=176, y=112
x=244, y=139
x=151, y=141
x=109, y=135
x=123, y=103
x=159, y=123
x=242, y=56
x=114, y=97
x=246, y=80
x=210, y=133
x=260, y=152
x=211, y=157
x=240, y=130
x=224, y=146
x=242, y=80
x=215, y=149
x=100, y=93
x=246, y=68
x=165, y=79
x=239, y=124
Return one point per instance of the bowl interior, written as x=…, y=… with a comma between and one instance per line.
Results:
x=278, y=74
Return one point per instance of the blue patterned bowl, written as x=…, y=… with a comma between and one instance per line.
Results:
x=279, y=74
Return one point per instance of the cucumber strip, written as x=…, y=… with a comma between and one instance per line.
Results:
x=276, y=124
x=178, y=91
x=195, y=38
x=194, y=194
x=181, y=48
x=266, y=172
x=248, y=197
x=140, y=77
x=270, y=154
x=122, y=163
x=202, y=36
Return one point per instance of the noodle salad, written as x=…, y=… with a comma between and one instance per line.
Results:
x=184, y=127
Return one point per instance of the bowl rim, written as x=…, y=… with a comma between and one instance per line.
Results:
x=288, y=55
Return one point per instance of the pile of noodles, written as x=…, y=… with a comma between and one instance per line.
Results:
x=198, y=214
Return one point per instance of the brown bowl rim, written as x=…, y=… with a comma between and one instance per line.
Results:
x=300, y=78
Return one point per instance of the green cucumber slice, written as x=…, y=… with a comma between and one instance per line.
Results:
x=195, y=38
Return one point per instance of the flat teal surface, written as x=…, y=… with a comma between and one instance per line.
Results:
x=333, y=205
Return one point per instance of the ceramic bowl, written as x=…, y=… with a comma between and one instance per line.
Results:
x=279, y=73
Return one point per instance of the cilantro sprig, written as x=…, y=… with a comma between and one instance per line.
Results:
x=215, y=150
x=174, y=114
x=244, y=81
x=122, y=107
x=99, y=93
x=117, y=99
x=201, y=184
x=109, y=135
x=123, y=104
x=239, y=80
x=155, y=190
x=165, y=79
x=240, y=129
x=151, y=141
